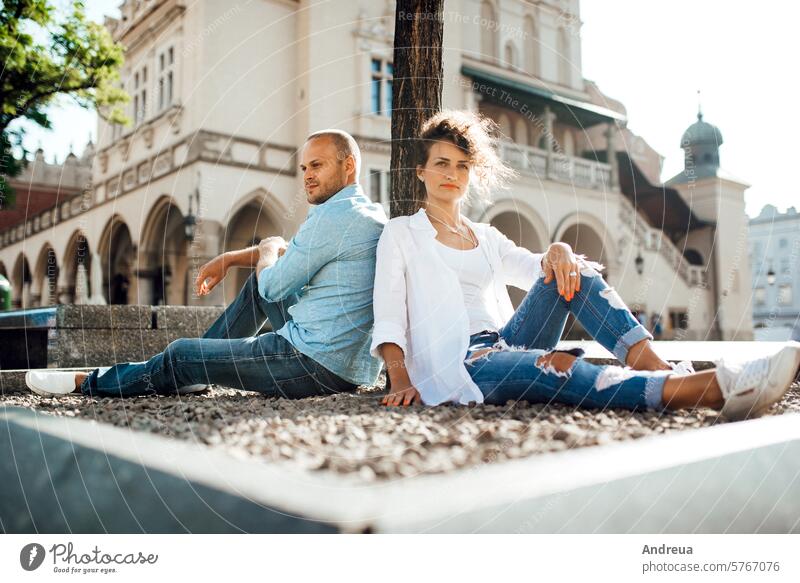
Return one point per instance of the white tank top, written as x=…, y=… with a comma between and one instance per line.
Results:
x=475, y=277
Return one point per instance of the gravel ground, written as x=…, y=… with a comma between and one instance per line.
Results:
x=353, y=434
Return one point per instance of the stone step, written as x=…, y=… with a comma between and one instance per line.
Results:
x=88, y=335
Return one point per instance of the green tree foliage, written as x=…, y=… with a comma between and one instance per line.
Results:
x=47, y=51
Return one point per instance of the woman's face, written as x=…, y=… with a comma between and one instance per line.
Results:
x=446, y=173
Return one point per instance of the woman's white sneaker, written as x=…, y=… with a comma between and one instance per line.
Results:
x=750, y=387
x=50, y=383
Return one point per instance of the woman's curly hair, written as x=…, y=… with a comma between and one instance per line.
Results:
x=477, y=136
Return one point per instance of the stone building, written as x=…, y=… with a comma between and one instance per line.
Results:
x=224, y=93
x=775, y=256
x=40, y=191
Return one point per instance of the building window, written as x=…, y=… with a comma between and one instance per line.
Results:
x=531, y=44
x=381, y=87
x=785, y=295
x=166, y=77
x=760, y=296
x=489, y=32
x=375, y=185
x=783, y=243
x=510, y=56
x=785, y=269
x=564, y=59
x=379, y=186
x=140, y=95
x=679, y=320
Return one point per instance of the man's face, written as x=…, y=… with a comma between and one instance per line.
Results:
x=324, y=173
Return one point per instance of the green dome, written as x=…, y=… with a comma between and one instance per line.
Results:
x=701, y=133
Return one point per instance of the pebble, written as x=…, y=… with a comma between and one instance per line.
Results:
x=352, y=434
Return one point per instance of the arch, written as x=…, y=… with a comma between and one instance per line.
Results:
x=532, y=56
x=489, y=27
x=587, y=235
x=504, y=124
x=521, y=131
x=253, y=220
x=163, y=262
x=45, y=283
x=523, y=225
x=21, y=282
x=568, y=142
x=77, y=258
x=117, y=261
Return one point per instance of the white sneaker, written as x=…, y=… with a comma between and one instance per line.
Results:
x=750, y=388
x=192, y=389
x=50, y=383
x=682, y=368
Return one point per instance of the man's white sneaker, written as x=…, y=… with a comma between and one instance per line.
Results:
x=192, y=389
x=749, y=388
x=50, y=383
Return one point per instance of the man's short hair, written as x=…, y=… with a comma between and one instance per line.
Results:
x=345, y=145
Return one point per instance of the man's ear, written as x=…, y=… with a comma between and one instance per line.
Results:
x=350, y=165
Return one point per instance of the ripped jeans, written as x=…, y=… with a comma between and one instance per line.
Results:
x=513, y=373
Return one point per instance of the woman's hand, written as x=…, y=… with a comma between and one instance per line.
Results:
x=560, y=263
x=210, y=275
x=401, y=395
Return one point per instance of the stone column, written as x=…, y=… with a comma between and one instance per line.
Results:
x=611, y=155
x=96, y=281
x=549, y=116
x=208, y=243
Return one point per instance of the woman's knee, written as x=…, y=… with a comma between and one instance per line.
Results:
x=556, y=362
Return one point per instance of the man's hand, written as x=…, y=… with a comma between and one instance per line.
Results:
x=560, y=263
x=210, y=275
x=402, y=395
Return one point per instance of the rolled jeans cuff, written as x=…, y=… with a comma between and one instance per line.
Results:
x=631, y=337
x=654, y=390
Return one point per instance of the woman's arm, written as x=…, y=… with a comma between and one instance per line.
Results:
x=402, y=393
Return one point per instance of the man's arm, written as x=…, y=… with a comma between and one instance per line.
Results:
x=318, y=242
x=215, y=270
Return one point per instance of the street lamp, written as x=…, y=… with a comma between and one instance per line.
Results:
x=639, y=262
x=190, y=220
x=771, y=276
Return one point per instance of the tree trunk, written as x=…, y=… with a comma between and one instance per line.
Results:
x=416, y=93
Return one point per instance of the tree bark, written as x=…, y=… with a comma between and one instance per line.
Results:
x=416, y=93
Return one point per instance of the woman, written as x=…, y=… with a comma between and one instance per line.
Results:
x=447, y=332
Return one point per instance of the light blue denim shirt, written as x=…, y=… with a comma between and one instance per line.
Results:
x=330, y=264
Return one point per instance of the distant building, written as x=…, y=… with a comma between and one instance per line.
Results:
x=41, y=191
x=775, y=257
x=224, y=94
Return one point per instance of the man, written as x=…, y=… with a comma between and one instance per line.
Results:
x=315, y=290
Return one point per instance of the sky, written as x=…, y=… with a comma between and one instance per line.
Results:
x=653, y=57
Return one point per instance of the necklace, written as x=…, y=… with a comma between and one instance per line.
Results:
x=455, y=231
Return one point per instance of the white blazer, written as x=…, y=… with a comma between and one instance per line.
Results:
x=419, y=306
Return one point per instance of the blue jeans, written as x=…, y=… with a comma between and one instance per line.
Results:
x=230, y=354
x=513, y=372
